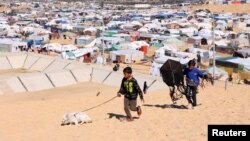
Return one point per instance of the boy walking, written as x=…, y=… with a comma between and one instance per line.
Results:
x=130, y=89
x=192, y=81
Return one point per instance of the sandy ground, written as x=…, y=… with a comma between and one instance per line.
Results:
x=37, y=116
x=12, y=72
x=233, y=8
x=63, y=41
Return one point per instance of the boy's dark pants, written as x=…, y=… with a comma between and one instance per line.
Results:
x=191, y=94
x=129, y=105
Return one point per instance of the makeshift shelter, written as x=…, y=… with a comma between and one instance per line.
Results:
x=12, y=45
x=53, y=47
x=136, y=45
x=243, y=42
x=245, y=52
x=125, y=37
x=143, y=30
x=83, y=40
x=90, y=31
x=136, y=23
x=107, y=42
x=194, y=40
x=126, y=56
x=205, y=33
x=165, y=51
x=234, y=62
x=173, y=41
x=68, y=47
x=83, y=51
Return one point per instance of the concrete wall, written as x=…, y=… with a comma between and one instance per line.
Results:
x=99, y=75
x=82, y=74
x=57, y=65
x=58, y=73
x=41, y=64
x=4, y=87
x=15, y=85
x=36, y=82
x=74, y=65
x=4, y=63
x=17, y=60
x=29, y=61
x=114, y=79
x=62, y=78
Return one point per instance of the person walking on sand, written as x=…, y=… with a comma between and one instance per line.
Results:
x=198, y=59
x=130, y=89
x=192, y=81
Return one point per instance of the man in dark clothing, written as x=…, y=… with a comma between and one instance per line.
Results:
x=130, y=89
x=192, y=81
x=198, y=59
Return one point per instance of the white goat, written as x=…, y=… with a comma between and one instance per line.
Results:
x=75, y=118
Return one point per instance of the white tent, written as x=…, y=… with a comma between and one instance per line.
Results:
x=54, y=47
x=68, y=47
x=91, y=44
x=35, y=25
x=136, y=23
x=90, y=29
x=218, y=34
x=28, y=29
x=127, y=56
x=138, y=44
x=83, y=51
x=143, y=29
x=230, y=33
x=204, y=25
x=205, y=33
x=189, y=31
x=243, y=42
x=161, y=51
x=151, y=25
x=221, y=43
x=67, y=26
x=127, y=25
x=221, y=22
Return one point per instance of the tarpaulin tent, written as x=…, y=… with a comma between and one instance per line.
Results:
x=173, y=41
x=116, y=47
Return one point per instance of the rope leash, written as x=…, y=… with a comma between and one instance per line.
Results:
x=99, y=104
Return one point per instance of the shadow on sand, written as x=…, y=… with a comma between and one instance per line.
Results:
x=118, y=116
x=164, y=106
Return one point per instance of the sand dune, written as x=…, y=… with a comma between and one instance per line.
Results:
x=37, y=116
x=232, y=8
